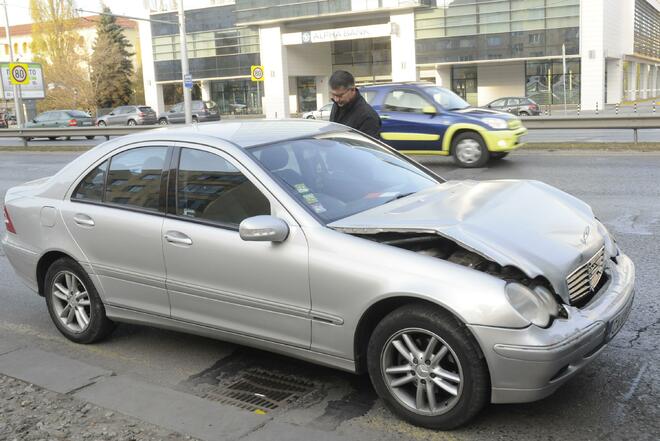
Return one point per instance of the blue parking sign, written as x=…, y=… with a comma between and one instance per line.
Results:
x=187, y=81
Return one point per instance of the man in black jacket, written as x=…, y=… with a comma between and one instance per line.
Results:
x=349, y=107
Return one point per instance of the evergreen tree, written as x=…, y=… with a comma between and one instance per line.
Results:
x=111, y=64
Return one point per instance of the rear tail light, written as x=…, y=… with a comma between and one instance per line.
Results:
x=142, y=114
x=73, y=122
x=8, y=224
x=534, y=107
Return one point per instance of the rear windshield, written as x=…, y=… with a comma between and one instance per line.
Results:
x=145, y=109
x=77, y=114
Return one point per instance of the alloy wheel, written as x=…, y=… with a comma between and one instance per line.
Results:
x=422, y=372
x=468, y=151
x=71, y=301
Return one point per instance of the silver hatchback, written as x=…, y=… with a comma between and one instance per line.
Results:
x=309, y=239
x=128, y=116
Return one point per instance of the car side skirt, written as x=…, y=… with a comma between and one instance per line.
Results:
x=138, y=317
x=424, y=152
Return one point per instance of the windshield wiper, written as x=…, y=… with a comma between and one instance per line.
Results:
x=401, y=196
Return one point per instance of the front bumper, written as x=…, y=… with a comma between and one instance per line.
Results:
x=504, y=140
x=530, y=364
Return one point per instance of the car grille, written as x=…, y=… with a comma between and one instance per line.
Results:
x=584, y=280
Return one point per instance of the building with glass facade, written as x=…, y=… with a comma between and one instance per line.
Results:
x=587, y=52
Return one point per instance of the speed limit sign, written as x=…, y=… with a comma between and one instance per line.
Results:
x=18, y=74
x=257, y=73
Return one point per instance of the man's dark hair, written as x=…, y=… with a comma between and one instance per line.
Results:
x=341, y=79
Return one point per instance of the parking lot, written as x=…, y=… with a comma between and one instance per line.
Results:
x=616, y=397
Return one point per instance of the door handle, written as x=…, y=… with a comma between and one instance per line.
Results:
x=83, y=219
x=178, y=238
x=385, y=117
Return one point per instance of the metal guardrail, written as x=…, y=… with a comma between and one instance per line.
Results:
x=622, y=122
x=106, y=132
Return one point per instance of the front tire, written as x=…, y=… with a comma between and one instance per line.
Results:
x=469, y=150
x=428, y=368
x=74, y=304
x=89, y=137
x=162, y=122
x=102, y=124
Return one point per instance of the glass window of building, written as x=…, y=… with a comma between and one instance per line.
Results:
x=369, y=59
x=306, y=94
x=496, y=29
x=464, y=83
x=544, y=82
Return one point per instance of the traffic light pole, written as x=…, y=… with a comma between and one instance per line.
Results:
x=18, y=106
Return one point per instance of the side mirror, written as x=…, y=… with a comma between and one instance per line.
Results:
x=263, y=229
x=171, y=110
x=112, y=113
x=429, y=110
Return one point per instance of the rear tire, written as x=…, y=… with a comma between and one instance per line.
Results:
x=469, y=150
x=523, y=113
x=102, y=124
x=74, y=304
x=89, y=137
x=131, y=122
x=162, y=122
x=442, y=381
x=52, y=138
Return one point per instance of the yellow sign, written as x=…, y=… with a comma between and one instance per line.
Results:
x=257, y=73
x=18, y=74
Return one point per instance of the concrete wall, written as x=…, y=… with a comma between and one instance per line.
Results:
x=495, y=81
x=443, y=76
x=309, y=59
x=592, y=51
x=276, y=78
x=403, y=47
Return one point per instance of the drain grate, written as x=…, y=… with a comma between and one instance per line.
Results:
x=258, y=390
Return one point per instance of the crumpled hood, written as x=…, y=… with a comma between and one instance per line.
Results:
x=527, y=224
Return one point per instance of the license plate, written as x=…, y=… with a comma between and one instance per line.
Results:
x=615, y=325
x=87, y=123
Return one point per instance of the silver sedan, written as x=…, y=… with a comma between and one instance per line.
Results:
x=308, y=239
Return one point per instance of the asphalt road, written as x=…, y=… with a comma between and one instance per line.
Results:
x=537, y=135
x=614, y=398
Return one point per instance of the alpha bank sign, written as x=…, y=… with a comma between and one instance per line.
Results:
x=326, y=35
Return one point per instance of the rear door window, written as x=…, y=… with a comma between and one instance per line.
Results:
x=513, y=102
x=405, y=101
x=498, y=103
x=91, y=187
x=134, y=178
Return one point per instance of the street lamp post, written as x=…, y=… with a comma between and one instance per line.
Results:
x=187, y=95
x=17, y=91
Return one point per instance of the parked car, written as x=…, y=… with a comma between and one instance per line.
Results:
x=61, y=119
x=425, y=119
x=202, y=111
x=128, y=116
x=4, y=122
x=322, y=113
x=309, y=239
x=521, y=106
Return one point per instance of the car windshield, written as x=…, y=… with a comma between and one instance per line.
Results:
x=446, y=98
x=341, y=174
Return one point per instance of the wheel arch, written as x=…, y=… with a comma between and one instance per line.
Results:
x=456, y=129
x=375, y=313
x=44, y=263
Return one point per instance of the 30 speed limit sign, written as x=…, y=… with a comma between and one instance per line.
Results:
x=18, y=74
x=257, y=73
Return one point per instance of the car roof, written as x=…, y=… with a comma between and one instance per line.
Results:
x=243, y=133
x=402, y=83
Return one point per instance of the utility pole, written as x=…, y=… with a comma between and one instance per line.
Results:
x=17, y=91
x=187, y=95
